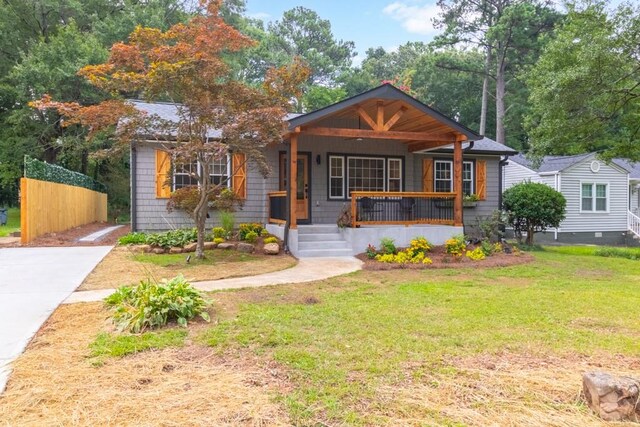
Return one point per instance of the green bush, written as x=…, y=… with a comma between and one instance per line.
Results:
x=228, y=221
x=150, y=305
x=134, y=238
x=173, y=238
x=387, y=246
x=271, y=239
x=247, y=228
x=218, y=240
x=219, y=233
x=628, y=253
x=264, y=233
x=251, y=237
x=532, y=207
x=44, y=171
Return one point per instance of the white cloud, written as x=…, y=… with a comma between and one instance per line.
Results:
x=259, y=15
x=414, y=18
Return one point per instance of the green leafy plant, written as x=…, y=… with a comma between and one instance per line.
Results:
x=487, y=248
x=271, y=239
x=532, y=207
x=387, y=246
x=470, y=198
x=150, y=305
x=44, y=171
x=492, y=227
x=371, y=251
x=168, y=239
x=476, y=255
x=247, y=228
x=251, y=237
x=219, y=232
x=228, y=222
x=264, y=233
x=218, y=240
x=456, y=245
x=134, y=238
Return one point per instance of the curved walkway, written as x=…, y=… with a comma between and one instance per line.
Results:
x=307, y=270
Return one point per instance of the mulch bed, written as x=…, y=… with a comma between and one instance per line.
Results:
x=441, y=259
x=71, y=237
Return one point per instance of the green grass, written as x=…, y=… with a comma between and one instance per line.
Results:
x=13, y=222
x=211, y=257
x=378, y=323
x=116, y=345
x=603, y=251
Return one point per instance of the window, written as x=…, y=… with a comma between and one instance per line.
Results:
x=594, y=197
x=336, y=177
x=443, y=177
x=394, y=178
x=219, y=171
x=355, y=173
x=183, y=175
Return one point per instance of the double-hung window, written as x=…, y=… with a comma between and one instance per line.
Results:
x=594, y=197
x=219, y=171
x=443, y=177
x=359, y=173
x=184, y=173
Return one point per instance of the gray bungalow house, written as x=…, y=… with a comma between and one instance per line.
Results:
x=395, y=166
x=602, y=198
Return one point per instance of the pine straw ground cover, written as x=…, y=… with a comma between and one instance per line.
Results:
x=505, y=346
x=122, y=267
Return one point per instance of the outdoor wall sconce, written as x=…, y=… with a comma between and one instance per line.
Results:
x=318, y=159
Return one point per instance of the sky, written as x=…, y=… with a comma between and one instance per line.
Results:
x=371, y=23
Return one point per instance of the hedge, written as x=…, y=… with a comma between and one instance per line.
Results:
x=44, y=171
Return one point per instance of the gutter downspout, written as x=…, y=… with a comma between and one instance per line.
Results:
x=558, y=185
x=134, y=181
x=501, y=165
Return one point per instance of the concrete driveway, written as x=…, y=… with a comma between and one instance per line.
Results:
x=33, y=282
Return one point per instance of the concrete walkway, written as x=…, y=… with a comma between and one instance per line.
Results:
x=93, y=237
x=307, y=270
x=33, y=282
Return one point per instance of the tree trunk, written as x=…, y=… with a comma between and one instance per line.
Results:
x=500, y=92
x=485, y=92
x=530, y=236
x=202, y=208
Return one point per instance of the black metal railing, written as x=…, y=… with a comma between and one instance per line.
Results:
x=277, y=207
x=371, y=208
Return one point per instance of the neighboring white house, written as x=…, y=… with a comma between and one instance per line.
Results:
x=602, y=198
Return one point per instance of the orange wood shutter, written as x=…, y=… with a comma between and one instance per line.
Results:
x=163, y=166
x=427, y=175
x=481, y=179
x=239, y=179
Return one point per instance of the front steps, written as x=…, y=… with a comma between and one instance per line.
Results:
x=321, y=241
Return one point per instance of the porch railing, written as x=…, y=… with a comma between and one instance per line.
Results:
x=633, y=222
x=373, y=208
x=277, y=207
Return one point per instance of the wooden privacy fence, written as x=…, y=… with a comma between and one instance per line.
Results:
x=49, y=207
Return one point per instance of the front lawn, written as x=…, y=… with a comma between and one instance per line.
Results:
x=13, y=222
x=502, y=346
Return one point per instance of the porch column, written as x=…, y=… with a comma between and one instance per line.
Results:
x=457, y=180
x=293, y=181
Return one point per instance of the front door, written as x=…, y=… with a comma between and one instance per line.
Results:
x=302, y=181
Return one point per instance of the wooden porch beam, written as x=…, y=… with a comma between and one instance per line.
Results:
x=428, y=145
x=366, y=117
x=293, y=182
x=457, y=180
x=380, y=121
x=394, y=119
x=376, y=134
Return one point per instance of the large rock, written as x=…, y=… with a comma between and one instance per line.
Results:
x=175, y=250
x=271, y=249
x=191, y=247
x=142, y=248
x=612, y=398
x=210, y=245
x=158, y=251
x=226, y=246
x=245, y=247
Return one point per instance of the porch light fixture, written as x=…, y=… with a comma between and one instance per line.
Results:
x=318, y=159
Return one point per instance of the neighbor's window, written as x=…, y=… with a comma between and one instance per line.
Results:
x=443, y=177
x=183, y=175
x=594, y=197
x=336, y=177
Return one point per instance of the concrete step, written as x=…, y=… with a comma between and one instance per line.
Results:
x=317, y=229
x=312, y=253
x=328, y=244
x=319, y=237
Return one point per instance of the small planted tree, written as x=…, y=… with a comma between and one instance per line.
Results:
x=532, y=207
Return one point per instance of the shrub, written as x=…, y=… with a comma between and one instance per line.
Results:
x=533, y=207
x=487, y=247
x=419, y=245
x=228, y=221
x=168, y=239
x=404, y=257
x=218, y=240
x=456, y=246
x=219, y=233
x=251, y=237
x=476, y=255
x=387, y=246
x=497, y=248
x=271, y=239
x=247, y=228
x=264, y=233
x=133, y=239
x=150, y=305
x=371, y=251
x=187, y=199
x=492, y=227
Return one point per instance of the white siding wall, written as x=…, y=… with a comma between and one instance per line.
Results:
x=570, y=185
x=515, y=173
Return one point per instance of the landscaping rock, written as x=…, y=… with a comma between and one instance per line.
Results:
x=191, y=247
x=226, y=246
x=612, y=398
x=142, y=248
x=175, y=250
x=210, y=245
x=271, y=249
x=158, y=251
x=245, y=247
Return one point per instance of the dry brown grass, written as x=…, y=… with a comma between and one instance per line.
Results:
x=54, y=383
x=119, y=268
